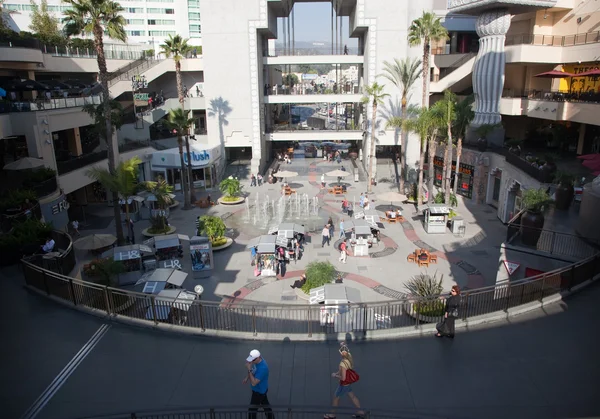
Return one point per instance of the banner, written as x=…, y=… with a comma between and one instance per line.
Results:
x=200, y=254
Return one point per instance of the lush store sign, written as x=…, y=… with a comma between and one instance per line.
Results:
x=197, y=157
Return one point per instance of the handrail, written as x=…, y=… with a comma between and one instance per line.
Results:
x=270, y=318
x=141, y=66
x=553, y=40
x=457, y=64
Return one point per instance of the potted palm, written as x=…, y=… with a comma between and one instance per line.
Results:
x=424, y=290
x=564, y=191
x=532, y=222
x=232, y=190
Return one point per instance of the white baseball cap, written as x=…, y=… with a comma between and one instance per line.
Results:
x=254, y=353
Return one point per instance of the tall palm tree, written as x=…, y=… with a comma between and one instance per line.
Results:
x=423, y=30
x=163, y=193
x=403, y=74
x=375, y=95
x=446, y=106
x=96, y=18
x=424, y=125
x=123, y=182
x=178, y=48
x=179, y=121
x=437, y=116
x=464, y=116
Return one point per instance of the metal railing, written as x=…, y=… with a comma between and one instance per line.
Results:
x=241, y=412
x=553, y=95
x=133, y=69
x=523, y=165
x=62, y=264
x=310, y=90
x=342, y=126
x=47, y=104
x=280, y=51
x=553, y=40
x=253, y=318
x=110, y=52
x=555, y=243
x=67, y=166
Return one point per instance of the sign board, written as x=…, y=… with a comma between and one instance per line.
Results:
x=138, y=82
x=60, y=207
x=200, y=254
x=141, y=96
x=511, y=267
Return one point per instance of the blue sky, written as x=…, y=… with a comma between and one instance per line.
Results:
x=313, y=23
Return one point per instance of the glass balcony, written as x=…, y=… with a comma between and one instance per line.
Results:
x=350, y=88
x=310, y=117
x=46, y=104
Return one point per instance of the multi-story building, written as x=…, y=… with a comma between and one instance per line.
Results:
x=148, y=22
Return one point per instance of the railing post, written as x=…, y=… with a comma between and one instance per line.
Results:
x=45, y=282
x=552, y=242
x=254, y=320
x=466, y=306
x=543, y=286
x=153, y=300
x=364, y=307
x=309, y=323
x=508, y=288
x=201, y=317
x=107, y=300
x=212, y=413
x=72, y=291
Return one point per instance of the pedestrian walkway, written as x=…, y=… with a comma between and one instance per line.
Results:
x=542, y=365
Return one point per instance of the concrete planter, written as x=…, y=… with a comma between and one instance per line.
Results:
x=225, y=246
x=301, y=294
x=236, y=202
x=146, y=234
x=420, y=317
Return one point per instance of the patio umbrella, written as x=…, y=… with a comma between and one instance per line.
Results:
x=95, y=241
x=285, y=174
x=24, y=164
x=56, y=85
x=591, y=73
x=595, y=156
x=392, y=196
x=555, y=74
x=338, y=174
x=593, y=164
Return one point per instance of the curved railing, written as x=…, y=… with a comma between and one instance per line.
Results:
x=274, y=321
x=289, y=412
x=62, y=264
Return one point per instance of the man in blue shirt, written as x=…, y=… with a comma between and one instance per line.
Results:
x=258, y=376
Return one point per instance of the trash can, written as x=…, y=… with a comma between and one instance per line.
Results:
x=458, y=224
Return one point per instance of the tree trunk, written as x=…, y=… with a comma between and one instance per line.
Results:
x=444, y=166
x=425, y=72
x=403, y=145
x=421, y=164
x=111, y=143
x=184, y=187
x=432, y=148
x=179, y=82
x=456, y=170
x=189, y=170
x=372, y=151
x=448, y=172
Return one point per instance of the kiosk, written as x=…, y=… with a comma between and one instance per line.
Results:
x=362, y=236
x=265, y=254
x=202, y=256
x=436, y=217
x=171, y=306
x=160, y=279
x=132, y=257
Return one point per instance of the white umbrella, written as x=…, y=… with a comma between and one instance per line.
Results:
x=285, y=174
x=392, y=196
x=24, y=164
x=338, y=173
x=95, y=241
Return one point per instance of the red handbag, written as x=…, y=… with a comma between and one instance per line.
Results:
x=351, y=377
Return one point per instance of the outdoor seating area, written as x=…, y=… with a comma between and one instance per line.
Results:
x=286, y=190
x=422, y=257
x=393, y=217
x=337, y=190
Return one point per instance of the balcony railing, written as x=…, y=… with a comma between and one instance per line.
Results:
x=312, y=90
x=316, y=50
x=133, y=69
x=341, y=126
x=556, y=96
x=47, y=104
x=111, y=52
x=553, y=40
x=88, y=159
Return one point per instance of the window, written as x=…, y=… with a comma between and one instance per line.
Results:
x=18, y=7
x=194, y=3
x=170, y=11
x=161, y=33
x=134, y=10
x=195, y=28
x=161, y=22
x=194, y=16
x=155, y=10
x=135, y=33
x=161, y=11
x=135, y=21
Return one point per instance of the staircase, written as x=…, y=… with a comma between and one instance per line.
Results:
x=454, y=74
x=120, y=80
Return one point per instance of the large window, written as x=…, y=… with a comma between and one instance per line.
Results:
x=135, y=21
x=161, y=33
x=134, y=10
x=135, y=33
x=193, y=3
x=161, y=22
x=161, y=11
x=194, y=16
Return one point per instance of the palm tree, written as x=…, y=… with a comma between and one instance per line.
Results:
x=464, y=116
x=424, y=125
x=425, y=29
x=179, y=122
x=374, y=95
x=163, y=193
x=96, y=18
x=437, y=115
x=403, y=74
x=178, y=48
x=446, y=106
x=123, y=183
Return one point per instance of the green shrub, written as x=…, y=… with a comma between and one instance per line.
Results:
x=231, y=188
x=212, y=227
x=158, y=226
x=17, y=197
x=28, y=232
x=427, y=289
x=535, y=200
x=318, y=274
x=440, y=199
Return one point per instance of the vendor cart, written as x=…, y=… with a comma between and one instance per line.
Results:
x=171, y=306
x=131, y=256
x=161, y=279
x=265, y=254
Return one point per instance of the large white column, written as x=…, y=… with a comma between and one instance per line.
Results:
x=488, y=72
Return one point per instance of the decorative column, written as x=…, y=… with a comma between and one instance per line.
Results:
x=488, y=71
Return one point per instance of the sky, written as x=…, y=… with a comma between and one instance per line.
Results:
x=312, y=22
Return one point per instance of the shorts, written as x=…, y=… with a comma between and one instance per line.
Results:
x=343, y=390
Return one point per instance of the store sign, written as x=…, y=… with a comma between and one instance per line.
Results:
x=60, y=207
x=141, y=96
x=465, y=169
x=139, y=82
x=199, y=156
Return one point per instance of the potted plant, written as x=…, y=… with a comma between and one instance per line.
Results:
x=514, y=145
x=213, y=228
x=426, y=289
x=231, y=189
x=564, y=191
x=318, y=274
x=532, y=221
x=483, y=131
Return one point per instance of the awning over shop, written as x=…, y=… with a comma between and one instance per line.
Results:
x=200, y=157
x=165, y=242
x=169, y=276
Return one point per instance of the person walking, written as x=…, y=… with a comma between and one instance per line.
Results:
x=259, y=178
x=252, y=180
x=362, y=200
x=75, y=225
x=347, y=377
x=330, y=225
x=343, y=252
x=323, y=181
x=342, y=232
x=258, y=377
x=446, y=326
x=325, y=236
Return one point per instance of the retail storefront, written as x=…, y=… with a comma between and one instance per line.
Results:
x=465, y=176
x=56, y=212
x=205, y=166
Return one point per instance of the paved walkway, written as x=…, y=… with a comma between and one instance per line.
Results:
x=543, y=365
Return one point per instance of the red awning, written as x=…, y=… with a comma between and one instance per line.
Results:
x=555, y=74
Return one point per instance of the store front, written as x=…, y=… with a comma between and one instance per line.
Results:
x=465, y=176
x=205, y=166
